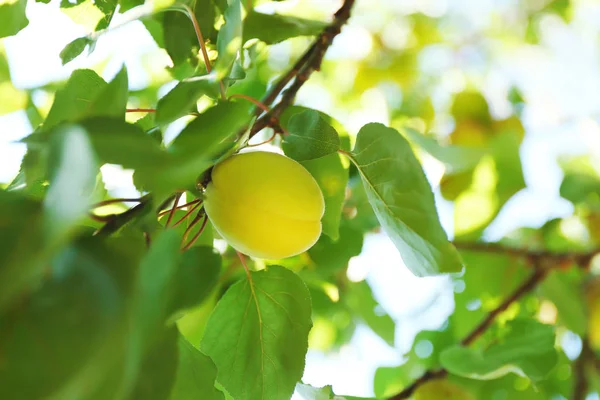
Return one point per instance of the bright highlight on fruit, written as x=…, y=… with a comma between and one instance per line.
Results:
x=265, y=205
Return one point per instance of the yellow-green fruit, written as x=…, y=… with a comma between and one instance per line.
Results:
x=442, y=389
x=265, y=205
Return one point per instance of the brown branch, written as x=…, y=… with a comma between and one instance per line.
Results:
x=525, y=288
x=581, y=258
x=302, y=70
x=580, y=385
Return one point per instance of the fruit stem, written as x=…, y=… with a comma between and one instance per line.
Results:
x=172, y=211
x=197, y=235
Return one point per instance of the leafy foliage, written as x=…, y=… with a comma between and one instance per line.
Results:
x=104, y=297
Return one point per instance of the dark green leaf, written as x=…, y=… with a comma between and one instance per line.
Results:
x=310, y=137
x=196, y=277
x=196, y=374
x=179, y=37
x=74, y=49
x=60, y=334
x=527, y=349
x=229, y=40
x=273, y=28
x=332, y=178
x=258, y=335
x=331, y=256
x=402, y=199
x=72, y=102
x=577, y=187
x=159, y=368
x=360, y=300
x=182, y=98
x=126, y=5
x=12, y=17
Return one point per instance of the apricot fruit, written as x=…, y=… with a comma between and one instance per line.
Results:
x=265, y=205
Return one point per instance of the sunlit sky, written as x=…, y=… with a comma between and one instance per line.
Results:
x=560, y=79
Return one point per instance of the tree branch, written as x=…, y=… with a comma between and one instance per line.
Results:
x=580, y=385
x=525, y=288
x=580, y=258
x=302, y=70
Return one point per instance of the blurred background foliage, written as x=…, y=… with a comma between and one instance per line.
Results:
x=499, y=101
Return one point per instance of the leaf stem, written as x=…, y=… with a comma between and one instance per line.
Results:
x=140, y=110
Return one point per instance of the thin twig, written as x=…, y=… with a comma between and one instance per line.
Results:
x=140, y=110
x=312, y=60
x=113, y=201
x=525, y=288
x=197, y=235
x=187, y=214
x=172, y=212
x=191, y=203
x=580, y=384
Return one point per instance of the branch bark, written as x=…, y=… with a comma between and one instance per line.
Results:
x=526, y=287
x=302, y=70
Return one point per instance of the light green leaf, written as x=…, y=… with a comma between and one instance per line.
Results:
x=112, y=100
x=309, y=137
x=527, y=350
x=359, y=298
x=180, y=101
x=332, y=178
x=196, y=374
x=258, y=335
x=564, y=289
x=274, y=28
x=308, y=392
x=74, y=49
x=72, y=102
x=73, y=171
x=12, y=17
x=229, y=40
x=455, y=158
x=403, y=201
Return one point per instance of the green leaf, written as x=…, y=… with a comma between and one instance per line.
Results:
x=199, y=146
x=12, y=17
x=58, y=336
x=332, y=255
x=455, y=158
x=72, y=102
x=273, y=28
x=159, y=368
x=112, y=100
x=116, y=142
x=258, y=335
x=179, y=37
x=309, y=137
x=182, y=99
x=229, y=40
x=528, y=349
x=332, y=178
x=74, y=49
x=196, y=374
x=360, y=300
x=196, y=277
x=402, y=200
x=153, y=291
x=308, y=392
x=73, y=171
x=564, y=289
